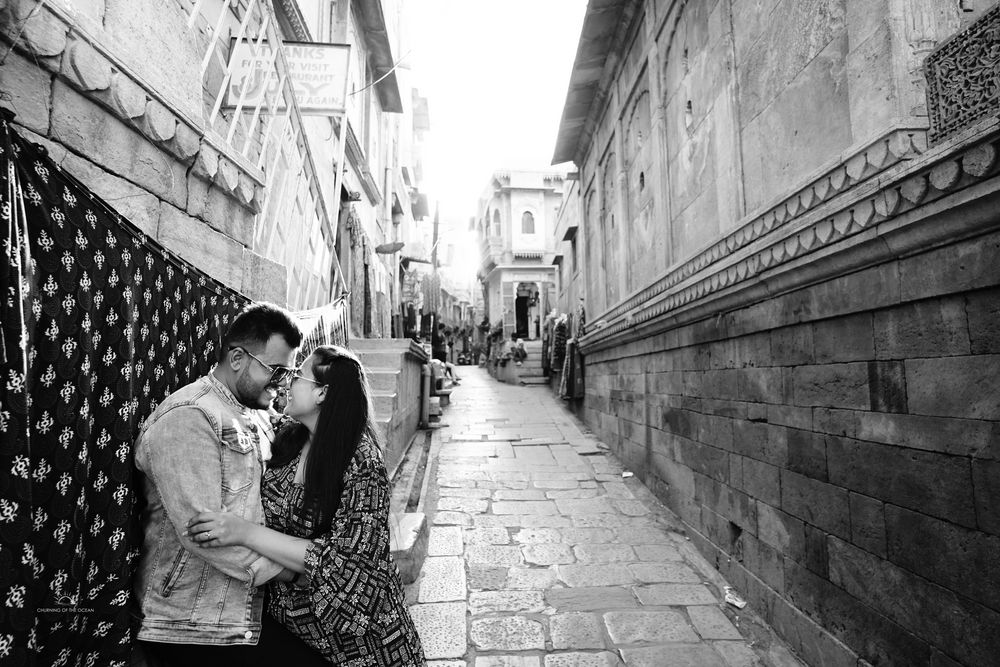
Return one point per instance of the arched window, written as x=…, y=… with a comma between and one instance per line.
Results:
x=496, y=222
x=527, y=223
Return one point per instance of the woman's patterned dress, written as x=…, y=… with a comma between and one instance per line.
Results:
x=352, y=610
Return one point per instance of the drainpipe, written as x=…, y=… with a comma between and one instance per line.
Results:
x=425, y=395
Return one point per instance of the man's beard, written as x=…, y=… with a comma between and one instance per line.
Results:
x=249, y=393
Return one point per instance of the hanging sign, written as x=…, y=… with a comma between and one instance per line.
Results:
x=316, y=72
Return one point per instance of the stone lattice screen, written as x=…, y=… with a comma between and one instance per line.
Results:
x=963, y=77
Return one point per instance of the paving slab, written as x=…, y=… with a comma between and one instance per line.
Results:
x=540, y=556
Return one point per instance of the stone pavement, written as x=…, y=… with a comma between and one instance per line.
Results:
x=542, y=554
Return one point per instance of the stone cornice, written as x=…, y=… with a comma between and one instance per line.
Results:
x=864, y=194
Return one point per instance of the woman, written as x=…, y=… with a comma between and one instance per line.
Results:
x=326, y=500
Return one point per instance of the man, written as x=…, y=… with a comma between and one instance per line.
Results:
x=517, y=351
x=201, y=450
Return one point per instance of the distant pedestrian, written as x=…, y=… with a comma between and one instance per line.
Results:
x=517, y=351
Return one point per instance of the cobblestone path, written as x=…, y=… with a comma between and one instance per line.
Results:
x=542, y=553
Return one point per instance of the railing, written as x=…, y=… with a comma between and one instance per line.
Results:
x=263, y=131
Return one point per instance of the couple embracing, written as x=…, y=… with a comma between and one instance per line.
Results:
x=251, y=562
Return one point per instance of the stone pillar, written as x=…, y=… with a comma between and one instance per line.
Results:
x=658, y=135
x=887, y=43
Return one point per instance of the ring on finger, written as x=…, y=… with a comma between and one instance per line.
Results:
x=208, y=534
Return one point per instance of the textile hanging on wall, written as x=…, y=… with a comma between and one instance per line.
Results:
x=326, y=325
x=99, y=325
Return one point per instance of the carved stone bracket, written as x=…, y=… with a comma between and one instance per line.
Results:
x=963, y=77
x=871, y=204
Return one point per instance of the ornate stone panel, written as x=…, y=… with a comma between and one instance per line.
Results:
x=963, y=77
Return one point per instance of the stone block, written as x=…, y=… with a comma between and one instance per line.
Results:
x=127, y=97
x=780, y=141
x=83, y=65
x=762, y=385
x=820, y=504
x=579, y=659
x=789, y=415
x=590, y=598
x=441, y=628
x=932, y=328
x=807, y=454
x=228, y=175
x=681, y=655
x=933, y=483
x=793, y=346
x=751, y=439
x=186, y=142
x=836, y=422
x=967, y=630
x=634, y=627
x=582, y=575
x=90, y=130
x=868, y=524
x=711, y=623
x=716, y=431
x=490, y=554
x=960, y=267
x=704, y=459
x=983, y=310
x=764, y=561
x=669, y=572
x=490, y=602
x=887, y=386
x=445, y=541
x=721, y=384
x=442, y=580
x=961, y=560
x=156, y=44
x=215, y=254
x=986, y=479
x=960, y=437
x=954, y=386
x=761, y=481
x=842, y=339
x=220, y=210
x=674, y=595
x=815, y=557
x=158, y=122
x=504, y=661
x=30, y=88
x=832, y=385
x=511, y=633
x=264, y=279
x=869, y=633
x=576, y=630
x=547, y=554
x=41, y=31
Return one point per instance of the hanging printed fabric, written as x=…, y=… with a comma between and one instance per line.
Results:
x=99, y=325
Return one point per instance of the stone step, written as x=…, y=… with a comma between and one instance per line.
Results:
x=408, y=538
x=384, y=402
x=383, y=379
x=381, y=358
x=534, y=380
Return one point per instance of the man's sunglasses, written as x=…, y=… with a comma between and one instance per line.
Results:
x=280, y=375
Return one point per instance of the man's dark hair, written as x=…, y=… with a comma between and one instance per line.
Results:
x=255, y=325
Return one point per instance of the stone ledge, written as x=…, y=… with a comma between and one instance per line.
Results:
x=867, y=214
x=64, y=47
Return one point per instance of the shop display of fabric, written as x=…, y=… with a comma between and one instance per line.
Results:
x=559, y=337
x=99, y=325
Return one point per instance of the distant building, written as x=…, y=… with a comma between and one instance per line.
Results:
x=514, y=223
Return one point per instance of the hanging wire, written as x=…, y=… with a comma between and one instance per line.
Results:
x=378, y=80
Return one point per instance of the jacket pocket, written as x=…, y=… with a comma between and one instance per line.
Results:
x=174, y=573
x=239, y=460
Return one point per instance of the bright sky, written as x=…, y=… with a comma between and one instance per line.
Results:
x=495, y=75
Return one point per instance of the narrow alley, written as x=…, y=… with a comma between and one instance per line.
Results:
x=545, y=551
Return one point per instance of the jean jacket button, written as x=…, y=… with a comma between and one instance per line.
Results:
x=248, y=634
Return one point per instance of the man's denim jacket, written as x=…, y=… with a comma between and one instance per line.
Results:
x=199, y=450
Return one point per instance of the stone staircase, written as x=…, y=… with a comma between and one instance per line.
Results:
x=393, y=366
x=530, y=371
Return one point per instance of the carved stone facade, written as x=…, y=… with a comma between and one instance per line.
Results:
x=798, y=362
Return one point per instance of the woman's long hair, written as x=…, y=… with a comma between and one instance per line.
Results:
x=345, y=419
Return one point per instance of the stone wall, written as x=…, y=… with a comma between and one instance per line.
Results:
x=143, y=157
x=803, y=363
x=829, y=429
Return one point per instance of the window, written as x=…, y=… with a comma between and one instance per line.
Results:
x=496, y=222
x=527, y=223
